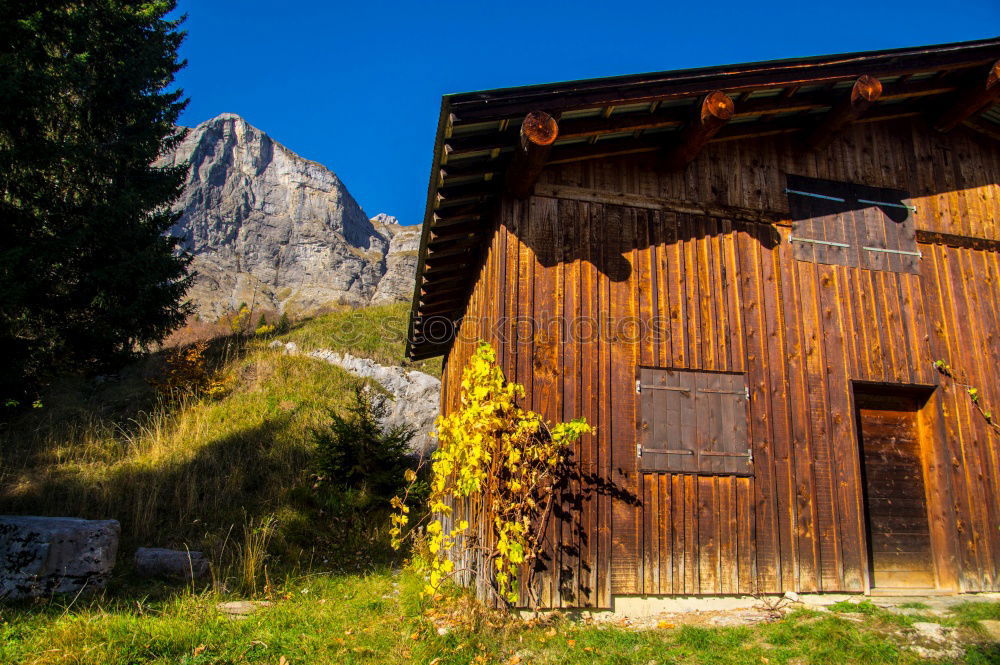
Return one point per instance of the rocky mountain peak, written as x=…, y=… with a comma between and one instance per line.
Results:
x=269, y=227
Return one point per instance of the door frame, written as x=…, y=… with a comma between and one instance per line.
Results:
x=937, y=482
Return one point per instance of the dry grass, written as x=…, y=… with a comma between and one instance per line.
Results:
x=197, y=472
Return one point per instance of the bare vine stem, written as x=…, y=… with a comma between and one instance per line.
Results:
x=975, y=396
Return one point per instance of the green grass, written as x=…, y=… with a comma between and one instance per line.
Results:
x=376, y=332
x=970, y=612
x=381, y=618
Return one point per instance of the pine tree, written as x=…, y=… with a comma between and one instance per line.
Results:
x=87, y=276
x=284, y=325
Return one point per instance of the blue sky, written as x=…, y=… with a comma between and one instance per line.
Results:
x=357, y=86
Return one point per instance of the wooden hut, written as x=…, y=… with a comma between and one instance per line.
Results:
x=743, y=277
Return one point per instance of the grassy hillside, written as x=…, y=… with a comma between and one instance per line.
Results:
x=202, y=472
x=378, y=333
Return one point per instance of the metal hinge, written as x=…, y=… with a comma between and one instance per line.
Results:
x=894, y=251
x=793, y=238
x=638, y=450
x=815, y=196
x=638, y=386
x=746, y=391
x=750, y=455
x=887, y=203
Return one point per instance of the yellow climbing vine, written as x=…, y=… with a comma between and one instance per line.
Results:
x=497, y=468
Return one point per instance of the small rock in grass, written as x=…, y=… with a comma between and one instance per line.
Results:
x=171, y=564
x=443, y=631
x=791, y=596
x=936, y=654
x=242, y=608
x=933, y=632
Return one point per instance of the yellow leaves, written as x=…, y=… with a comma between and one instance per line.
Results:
x=500, y=457
x=409, y=475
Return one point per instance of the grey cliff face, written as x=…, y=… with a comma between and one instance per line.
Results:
x=269, y=227
x=400, y=261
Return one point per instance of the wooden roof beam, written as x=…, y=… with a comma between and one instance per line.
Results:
x=449, y=306
x=433, y=271
x=712, y=114
x=459, y=194
x=971, y=101
x=865, y=92
x=668, y=118
x=427, y=296
x=447, y=218
x=538, y=132
x=455, y=249
x=456, y=231
x=433, y=286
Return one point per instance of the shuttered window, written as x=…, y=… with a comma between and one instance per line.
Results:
x=847, y=224
x=693, y=422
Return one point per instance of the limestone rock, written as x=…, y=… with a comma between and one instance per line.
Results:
x=171, y=564
x=270, y=228
x=40, y=556
x=242, y=608
x=400, y=261
x=933, y=632
x=416, y=395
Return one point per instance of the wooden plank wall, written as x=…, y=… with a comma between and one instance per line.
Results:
x=731, y=297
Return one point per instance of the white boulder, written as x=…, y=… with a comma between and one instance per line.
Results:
x=40, y=556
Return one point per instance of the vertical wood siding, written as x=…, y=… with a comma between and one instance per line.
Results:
x=709, y=293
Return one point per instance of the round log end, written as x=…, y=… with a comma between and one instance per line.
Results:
x=867, y=88
x=717, y=105
x=993, y=78
x=540, y=128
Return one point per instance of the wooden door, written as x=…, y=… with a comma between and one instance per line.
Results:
x=899, y=541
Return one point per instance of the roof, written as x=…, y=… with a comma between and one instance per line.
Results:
x=478, y=133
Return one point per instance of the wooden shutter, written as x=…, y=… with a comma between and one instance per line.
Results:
x=693, y=422
x=841, y=223
x=822, y=226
